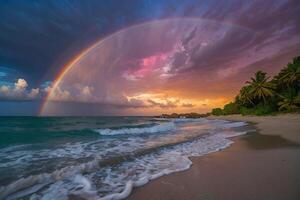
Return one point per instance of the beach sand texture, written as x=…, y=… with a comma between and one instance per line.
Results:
x=263, y=165
x=284, y=125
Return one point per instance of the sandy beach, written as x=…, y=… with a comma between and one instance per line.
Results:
x=285, y=125
x=263, y=165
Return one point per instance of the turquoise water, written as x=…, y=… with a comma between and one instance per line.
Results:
x=99, y=157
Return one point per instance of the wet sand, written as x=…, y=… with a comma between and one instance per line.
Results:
x=263, y=165
x=284, y=125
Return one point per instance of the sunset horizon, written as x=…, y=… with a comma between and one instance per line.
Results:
x=158, y=64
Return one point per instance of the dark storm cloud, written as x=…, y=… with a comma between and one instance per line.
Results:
x=267, y=24
x=232, y=44
x=267, y=64
x=37, y=37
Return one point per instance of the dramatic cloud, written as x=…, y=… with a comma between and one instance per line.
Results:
x=34, y=93
x=146, y=66
x=21, y=85
x=147, y=56
x=168, y=104
x=59, y=95
x=19, y=92
x=64, y=28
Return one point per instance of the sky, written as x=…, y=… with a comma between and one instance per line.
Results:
x=138, y=57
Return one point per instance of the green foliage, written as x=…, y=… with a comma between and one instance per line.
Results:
x=290, y=100
x=289, y=75
x=245, y=97
x=183, y=115
x=261, y=97
x=260, y=109
x=259, y=89
x=230, y=108
x=217, y=111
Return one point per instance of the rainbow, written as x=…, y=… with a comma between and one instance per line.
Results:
x=67, y=67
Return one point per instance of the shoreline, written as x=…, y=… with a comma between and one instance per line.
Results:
x=285, y=125
x=263, y=160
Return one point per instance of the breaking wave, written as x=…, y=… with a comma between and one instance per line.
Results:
x=168, y=126
x=118, y=164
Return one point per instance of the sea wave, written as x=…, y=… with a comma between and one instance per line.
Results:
x=111, y=176
x=31, y=184
x=149, y=129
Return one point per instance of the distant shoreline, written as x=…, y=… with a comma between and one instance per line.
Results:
x=183, y=115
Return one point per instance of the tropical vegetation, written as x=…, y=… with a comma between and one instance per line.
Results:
x=262, y=95
x=183, y=115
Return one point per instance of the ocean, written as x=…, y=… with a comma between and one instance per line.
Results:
x=100, y=157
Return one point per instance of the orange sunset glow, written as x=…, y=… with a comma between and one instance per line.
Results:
x=160, y=66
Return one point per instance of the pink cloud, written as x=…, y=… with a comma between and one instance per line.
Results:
x=146, y=66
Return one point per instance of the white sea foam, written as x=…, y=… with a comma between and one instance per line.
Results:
x=24, y=157
x=228, y=124
x=83, y=181
x=152, y=129
x=30, y=182
x=117, y=181
x=169, y=161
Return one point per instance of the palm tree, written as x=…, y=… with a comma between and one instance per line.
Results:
x=260, y=88
x=289, y=74
x=244, y=96
x=290, y=100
